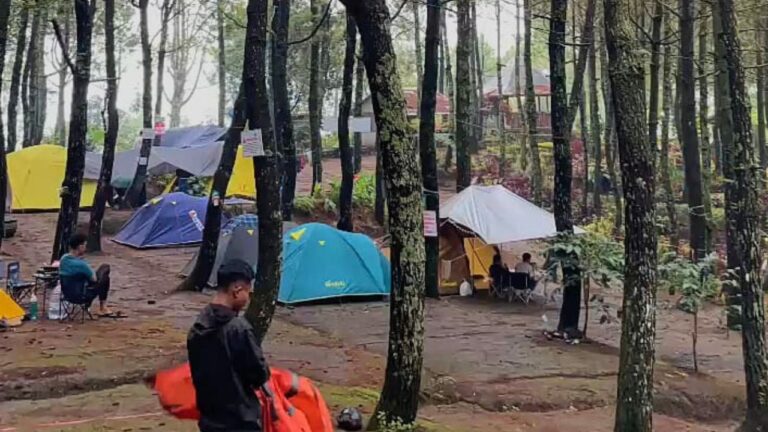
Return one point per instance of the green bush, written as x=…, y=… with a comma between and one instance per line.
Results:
x=304, y=205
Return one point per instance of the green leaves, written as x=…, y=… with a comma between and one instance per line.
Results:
x=598, y=257
x=694, y=281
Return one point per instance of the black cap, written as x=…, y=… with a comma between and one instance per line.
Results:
x=234, y=270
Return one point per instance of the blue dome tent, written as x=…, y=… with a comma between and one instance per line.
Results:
x=173, y=219
x=321, y=262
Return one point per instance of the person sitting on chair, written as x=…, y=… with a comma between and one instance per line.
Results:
x=499, y=272
x=72, y=265
x=525, y=266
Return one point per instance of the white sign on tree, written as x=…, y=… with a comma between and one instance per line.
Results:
x=253, y=145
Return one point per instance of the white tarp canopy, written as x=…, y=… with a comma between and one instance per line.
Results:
x=498, y=215
x=198, y=161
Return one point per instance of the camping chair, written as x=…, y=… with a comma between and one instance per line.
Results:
x=16, y=288
x=522, y=285
x=73, y=300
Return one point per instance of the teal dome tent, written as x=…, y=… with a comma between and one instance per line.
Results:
x=321, y=262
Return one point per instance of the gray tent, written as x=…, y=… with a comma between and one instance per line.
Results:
x=238, y=239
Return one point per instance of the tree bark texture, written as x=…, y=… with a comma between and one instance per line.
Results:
x=134, y=195
x=609, y=139
x=29, y=64
x=518, y=92
x=206, y=256
x=400, y=394
x=477, y=82
x=60, y=130
x=500, y=95
x=103, y=188
x=664, y=164
x=315, y=101
x=78, y=129
x=5, y=12
x=346, y=157
x=358, y=109
x=725, y=129
x=706, y=145
x=561, y=121
x=634, y=402
x=166, y=8
x=449, y=82
x=531, y=116
x=689, y=133
x=464, y=110
x=380, y=199
x=657, y=22
x=282, y=105
x=760, y=84
x=427, y=146
x=34, y=75
x=222, y=55
x=18, y=62
x=595, y=129
x=746, y=213
x=266, y=169
x=417, y=47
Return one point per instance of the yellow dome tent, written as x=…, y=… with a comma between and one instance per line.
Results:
x=35, y=175
x=242, y=183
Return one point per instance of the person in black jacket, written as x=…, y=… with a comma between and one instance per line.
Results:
x=226, y=358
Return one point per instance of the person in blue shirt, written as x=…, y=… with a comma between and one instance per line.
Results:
x=73, y=268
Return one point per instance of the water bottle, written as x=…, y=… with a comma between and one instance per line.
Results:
x=54, y=310
x=33, y=307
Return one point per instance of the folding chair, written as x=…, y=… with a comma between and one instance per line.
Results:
x=16, y=288
x=73, y=300
x=521, y=287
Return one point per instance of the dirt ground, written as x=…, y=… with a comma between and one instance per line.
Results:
x=487, y=365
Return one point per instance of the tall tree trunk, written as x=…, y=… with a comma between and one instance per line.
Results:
x=595, y=129
x=427, y=148
x=653, y=102
x=725, y=129
x=634, y=401
x=400, y=394
x=518, y=92
x=464, y=90
x=500, y=95
x=282, y=105
x=267, y=171
x=561, y=120
x=689, y=133
x=358, y=110
x=135, y=194
x=440, y=57
x=380, y=199
x=586, y=41
x=60, y=130
x=345, y=149
x=417, y=47
x=206, y=256
x=222, y=64
x=13, y=94
x=760, y=83
x=5, y=12
x=37, y=94
x=706, y=147
x=28, y=78
x=449, y=82
x=78, y=129
x=478, y=130
x=666, y=108
x=315, y=101
x=609, y=139
x=531, y=116
x=104, y=189
x=166, y=9
x=746, y=209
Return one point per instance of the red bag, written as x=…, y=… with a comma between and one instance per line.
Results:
x=289, y=403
